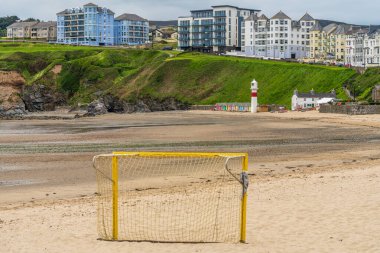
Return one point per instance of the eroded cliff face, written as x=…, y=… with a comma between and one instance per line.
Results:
x=11, y=90
x=17, y=98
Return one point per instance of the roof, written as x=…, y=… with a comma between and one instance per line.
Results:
x=90, y=4
x=307, y=17
x=263, y=17
x=330, y=28
x=100, y=9
x=280, y=15
x=62, y=12
x=22, y=24
x=131, y=17
x=45, y=24
x=201, y=10
x=316, y=27
x=164, y=31
x=252, y=17
x=342, y=29
x=325, y=100
x=355, y=30
x=231, y=6
x=313, y=94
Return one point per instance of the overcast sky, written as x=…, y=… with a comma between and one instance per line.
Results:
x=350, y=11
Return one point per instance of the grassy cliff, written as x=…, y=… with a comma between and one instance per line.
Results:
x=90, y=72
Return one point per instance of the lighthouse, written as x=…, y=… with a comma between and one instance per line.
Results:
x=254, y=89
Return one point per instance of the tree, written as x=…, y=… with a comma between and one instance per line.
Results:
x=31, y=20
x=6, y=21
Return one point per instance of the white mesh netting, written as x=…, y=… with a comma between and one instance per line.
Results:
x=169, y=198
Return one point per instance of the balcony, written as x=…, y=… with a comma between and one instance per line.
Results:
x=219, y=29
x=220, y=22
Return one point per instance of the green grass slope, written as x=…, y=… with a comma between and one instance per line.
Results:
x=91, y=72
x=205, y=79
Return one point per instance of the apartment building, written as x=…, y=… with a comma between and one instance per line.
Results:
x=131, y=29
x=306, y=22
x=278, y=37
x=20, y=30
x=87, y=25
x=218, y=29
x=33, y=30
x=256, y=35
x=372, y=49
x=44, y=31
x=355, y=47
x=328, y=43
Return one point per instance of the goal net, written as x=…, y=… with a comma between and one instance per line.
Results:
x=172, y=197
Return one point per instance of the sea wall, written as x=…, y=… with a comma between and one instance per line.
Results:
x=350, y=109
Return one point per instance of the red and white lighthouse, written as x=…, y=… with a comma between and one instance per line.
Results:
x=254, y=90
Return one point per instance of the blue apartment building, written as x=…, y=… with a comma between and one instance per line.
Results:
x=131, y=29
x=96, y=26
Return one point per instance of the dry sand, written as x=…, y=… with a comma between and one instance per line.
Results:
x=316, y=186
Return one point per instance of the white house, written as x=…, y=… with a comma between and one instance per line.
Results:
x=309, y=100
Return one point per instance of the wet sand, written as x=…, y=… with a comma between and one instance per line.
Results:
x=314, y=184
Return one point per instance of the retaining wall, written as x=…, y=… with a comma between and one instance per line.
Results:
x=350, y=109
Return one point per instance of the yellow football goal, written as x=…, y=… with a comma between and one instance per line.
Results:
x=172, y=196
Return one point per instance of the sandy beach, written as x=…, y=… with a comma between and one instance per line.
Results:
x=315, y=184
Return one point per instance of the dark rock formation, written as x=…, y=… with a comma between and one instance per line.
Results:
x=41, y=98
x=97, y=107
x=113, y=104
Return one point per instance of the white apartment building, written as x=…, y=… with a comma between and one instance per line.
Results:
x=306, y=22
x=278, y=37
x=213, y=30
x=355, y=47
x=256, y=31
x=371, y=49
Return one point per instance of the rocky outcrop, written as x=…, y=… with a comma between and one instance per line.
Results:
x=112, y=104
x=97, y=107
x=38, y=97
x=11, y=88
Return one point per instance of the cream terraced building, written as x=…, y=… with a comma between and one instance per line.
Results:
x=33, y=30
x=20, y=30
x=45, y=31
x=329, y=43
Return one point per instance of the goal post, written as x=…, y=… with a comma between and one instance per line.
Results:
x=172, y=196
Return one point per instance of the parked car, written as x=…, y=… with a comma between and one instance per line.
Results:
x=167, y=48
